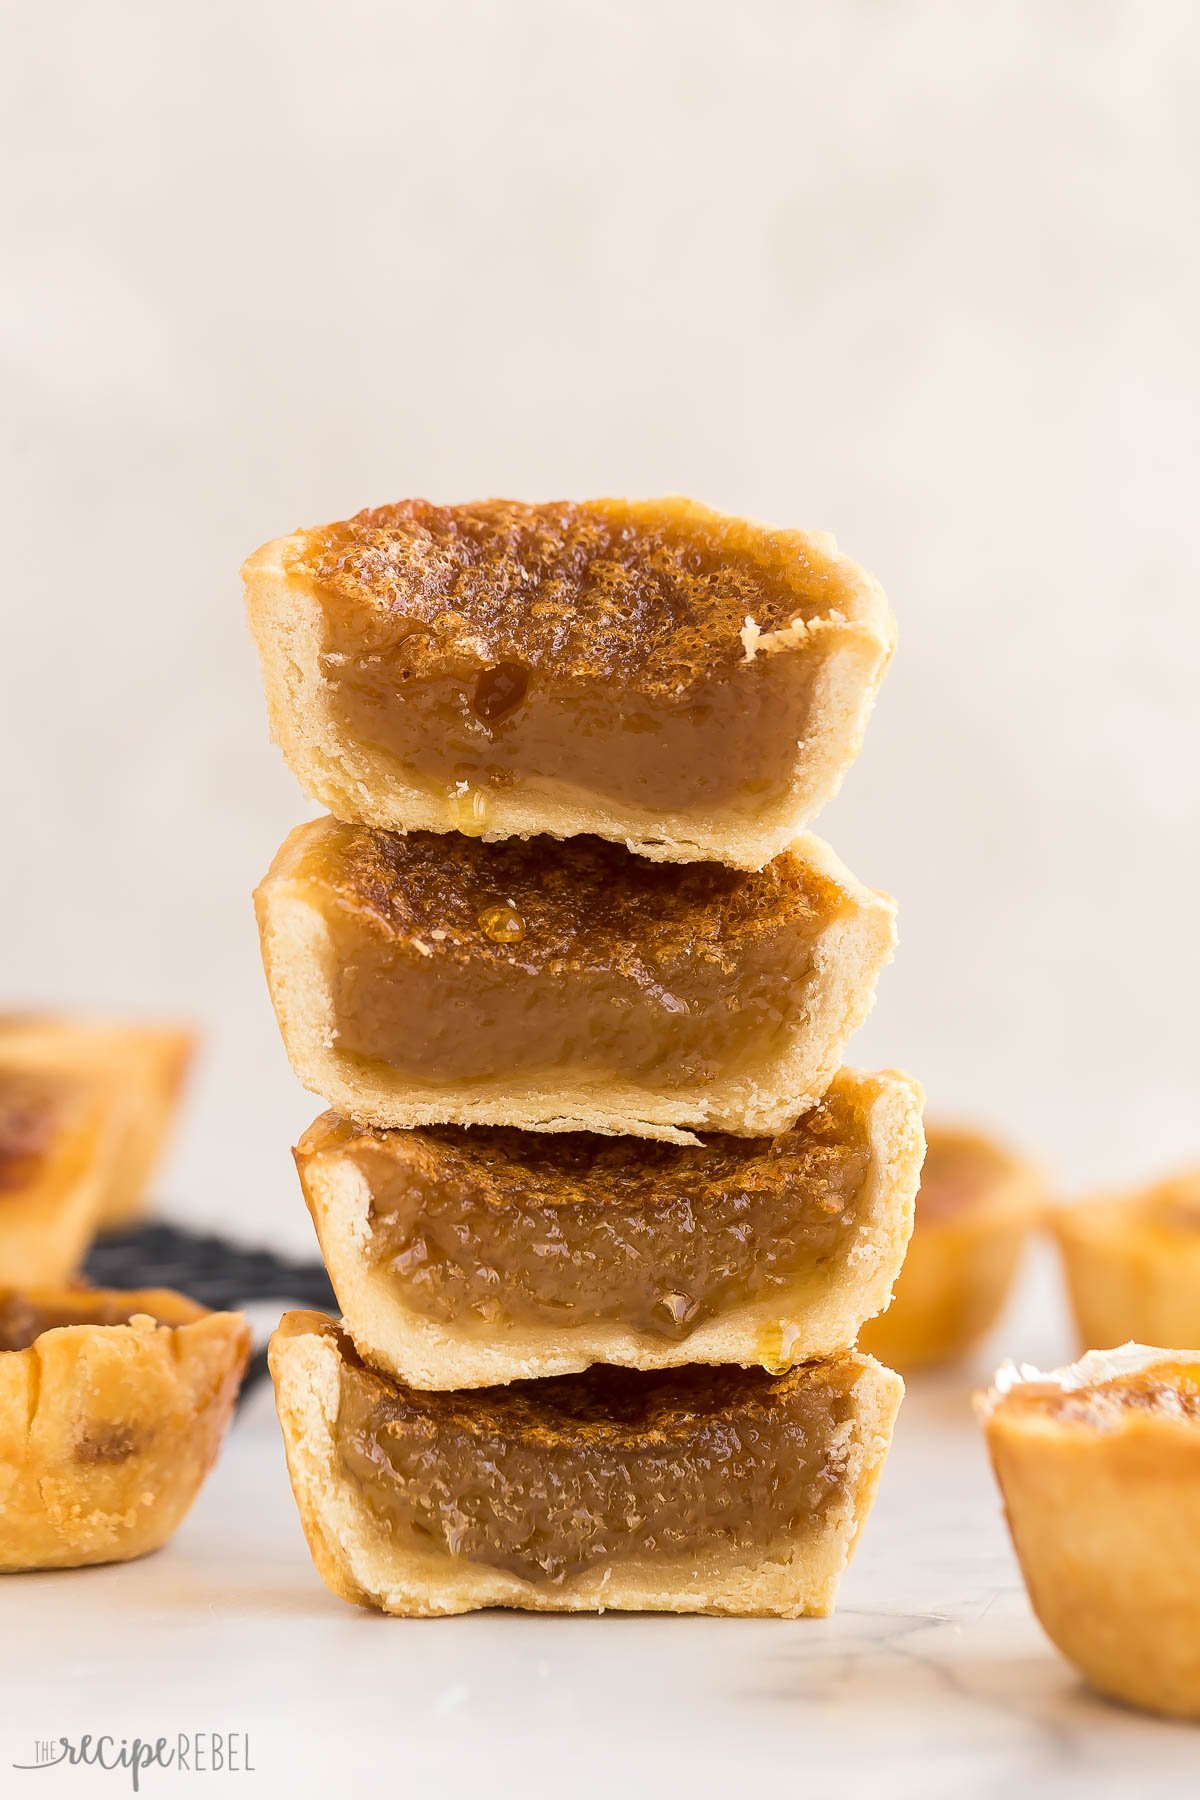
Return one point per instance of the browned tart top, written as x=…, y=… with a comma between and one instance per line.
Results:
x=24, y=1315
x=542, y=904
x=650, y=594
x=628, y=1409
x=1169, y=1389
x=33, y=1112
x=503, y=1168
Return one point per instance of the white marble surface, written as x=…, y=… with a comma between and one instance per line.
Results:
x=931, y=1679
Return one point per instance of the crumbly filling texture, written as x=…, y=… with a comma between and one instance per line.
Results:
x=549, y=1479
x=495, y=1227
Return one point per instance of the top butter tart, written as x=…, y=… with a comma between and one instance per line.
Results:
x=1133, y=1264
x=653, y=672
x=112, y=1409
x=435, y=979
x=976, y=1206
x=1099, y=1466
x=143, y=1066
x=698, y=1490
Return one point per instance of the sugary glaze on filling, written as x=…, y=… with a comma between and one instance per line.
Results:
x=650, y=595
x=33, y=1111
x=1167, y=1389
x=959, y=1170
x=584, y=903
x=493, y=1225
x=547, y=1479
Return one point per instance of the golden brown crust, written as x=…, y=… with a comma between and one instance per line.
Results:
x=976, y=1207
x=144, y=1067
x=1132, y=1263
x=1099, y=1468
x=851, y=941
x=821, y=653
x=654, y=595
x=107, y=1430
x=360, y=1563
x=817, y=1313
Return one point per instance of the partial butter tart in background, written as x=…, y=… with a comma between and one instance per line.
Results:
x=144, y=1065
x=435, y=979
x=1099, y=1468
x=59, y=1140
x=688, y=683
x=977, y=1204
x=463, y=1258
x=698, y=1490
x=1132, y=1264
x=113, y=1406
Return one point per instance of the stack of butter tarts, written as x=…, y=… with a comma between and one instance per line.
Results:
x=602, y=1209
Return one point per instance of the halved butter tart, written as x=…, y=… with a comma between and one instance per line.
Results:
x=463, y=1258
x=696, y=1490
x=649, y=671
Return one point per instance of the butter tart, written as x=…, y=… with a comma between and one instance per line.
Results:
x=144, y=1065
x=1099, y=1468
x=1132, y=1263
x=701, y=1490
x=426, y=980
x=58, y=1140
x=652, y=672
x=112, y=1410
x=976, y=1206
x=465, y=1258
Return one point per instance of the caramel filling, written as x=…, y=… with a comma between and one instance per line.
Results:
x=488, y=1227
x=549, y=1479
x=730, y=747
x=492, y=1019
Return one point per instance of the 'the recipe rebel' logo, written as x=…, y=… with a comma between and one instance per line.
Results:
x=187, y=1753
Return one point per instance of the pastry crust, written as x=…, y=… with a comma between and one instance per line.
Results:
x=656, y=598
x=59, y=1137
x=1132, y=1263
x=107, y=1430
x=1103, y=1501
x=818, y=1313
x=964, y=1256
x=360, y=1562
x=144, y=1065
x=850, y=929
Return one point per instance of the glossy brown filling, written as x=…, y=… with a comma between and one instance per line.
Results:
x=488, y=1227
x=731, y=747
x=549, y=1479
x=494, y=1019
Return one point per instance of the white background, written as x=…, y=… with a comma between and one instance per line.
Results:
x=923, y=274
